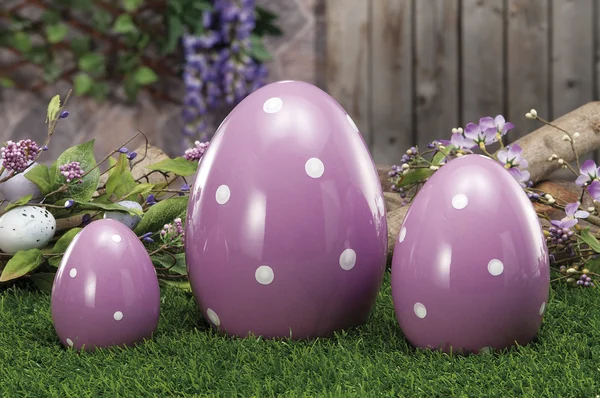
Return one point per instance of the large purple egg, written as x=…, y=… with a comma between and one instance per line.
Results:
x=286, y=230
x=470, y=268
x=105, y=292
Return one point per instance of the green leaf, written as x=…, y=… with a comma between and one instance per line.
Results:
x=144, y=75
x=81, y=45
x=99, y=90
x=441, y=155
x=175, y=30
x=51, y=17
x=21, y=41
x=101, y=19
x=591, y=240
x=22, y=263
x=82, y=83
x=143, y=41
x=6, y=82
x=124, y=24
x=51, y=72
x=176, y=263
x=19, y=202
x=593, y=265
x=107, y=206
x=258, y=50
x=38, y=55
x=40, y=176
x=84, y=154
x=43, y=281
x=140, y=189
x=53, y=108
x=92, y=63
x=162, y=213
x=414, y=176
x=120, y=181
x=132, y=5
x=56, y=32
x=61, y=245
x=179, y=166
x=131, y=87
x=183, y=285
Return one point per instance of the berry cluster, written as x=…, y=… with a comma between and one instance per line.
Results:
x=563, y=237
x=72, y=171
x=173, y=234
x=195, y=153
x=585, y=281
x=217, y=64
x=17, y=156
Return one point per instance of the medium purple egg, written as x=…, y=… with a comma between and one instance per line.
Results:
x=470, y=269
x=286, y=229
x=105, y=292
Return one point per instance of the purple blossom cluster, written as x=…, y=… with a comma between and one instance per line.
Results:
x=195, y=153
x=174, y=233
x=72, y=171
x=217, y=64
x=17, y=156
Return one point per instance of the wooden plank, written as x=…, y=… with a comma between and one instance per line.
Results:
x=437, y=74
x=391, y=79
x=528, y=66
x=482, y=59
x=572, y=55
x=348, y=57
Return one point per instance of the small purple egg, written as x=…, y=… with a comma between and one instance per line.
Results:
x=286, y=233
x=470, y=268
x=105, y=292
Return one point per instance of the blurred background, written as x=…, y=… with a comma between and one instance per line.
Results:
x=407, y=71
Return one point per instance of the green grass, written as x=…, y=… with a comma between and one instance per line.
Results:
x=186, y=358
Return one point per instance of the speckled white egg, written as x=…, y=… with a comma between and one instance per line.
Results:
x=26, y=227
x=19, y=186
x=129, y=220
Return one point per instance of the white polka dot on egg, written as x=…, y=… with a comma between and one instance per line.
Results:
x=264, y=275
x=352, y=123
x=495, y=267
x=420, y=310
x=214, y=318
x=460, y=201
x=543, y=308
x=273, y=105
x=314, y=167
x=73, y=273
x=223, y=194
x=118, y=316
x=402, y=235
x=116, y=238
x=70, y=342
x=348, y=259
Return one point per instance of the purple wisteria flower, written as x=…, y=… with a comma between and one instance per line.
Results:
x=572, y=216
x=218, y=66
x=589, y=172
x=512, y=156
x=17, y=156
x=72, y=171
x=195, y=153
x=498, y=124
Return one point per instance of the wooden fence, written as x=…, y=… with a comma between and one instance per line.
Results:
x=408, y=71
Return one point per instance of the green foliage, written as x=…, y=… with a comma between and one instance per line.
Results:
x=175, y=262
x=61, y=246
x=119, y=22
x=178, y=166
x=120, y=180
x=186, y=358
x=19, y=202
x=162, y=213
x=53, y=108
x=84, y=154
x=40, y=176
x=21, y=263
x=591, y=240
